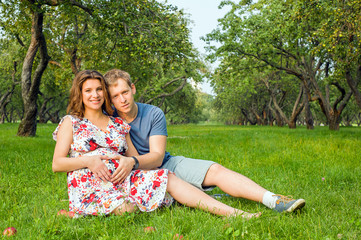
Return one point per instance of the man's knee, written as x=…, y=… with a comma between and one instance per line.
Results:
x=214, y=174
x=216, y=169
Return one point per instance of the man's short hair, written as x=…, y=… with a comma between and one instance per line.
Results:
x=112, y=76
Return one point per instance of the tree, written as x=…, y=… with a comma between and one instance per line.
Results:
x=32, y=67
x=183, y=108
x=146, y=38
x=274, y=33
x=338, y=35
x=241, y=95
x=5, y=97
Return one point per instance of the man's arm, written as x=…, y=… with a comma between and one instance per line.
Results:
x=151, y=160
x=154, y=159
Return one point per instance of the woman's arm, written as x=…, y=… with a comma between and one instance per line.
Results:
x=131, y=149
x=62, y=163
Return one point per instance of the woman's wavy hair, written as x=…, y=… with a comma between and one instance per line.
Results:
x=76, y=105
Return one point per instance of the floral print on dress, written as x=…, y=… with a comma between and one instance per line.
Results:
x=89, y=196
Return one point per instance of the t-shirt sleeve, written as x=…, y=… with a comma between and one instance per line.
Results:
x=159, y=124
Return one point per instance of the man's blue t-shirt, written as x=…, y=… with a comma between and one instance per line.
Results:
x=150, y=121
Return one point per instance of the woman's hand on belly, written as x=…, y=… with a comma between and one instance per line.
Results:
x=98, y=167
x=123, y=170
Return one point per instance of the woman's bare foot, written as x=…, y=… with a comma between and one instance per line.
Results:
x=65, y=213
x=246, y=215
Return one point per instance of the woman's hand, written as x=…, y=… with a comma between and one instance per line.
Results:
x=98, y=167
x=123, y=170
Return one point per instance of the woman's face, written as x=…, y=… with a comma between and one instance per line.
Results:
x=93, y=95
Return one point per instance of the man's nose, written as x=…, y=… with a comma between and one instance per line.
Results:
x=122, y=99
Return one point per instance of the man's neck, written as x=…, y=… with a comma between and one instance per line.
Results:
x=130, y=116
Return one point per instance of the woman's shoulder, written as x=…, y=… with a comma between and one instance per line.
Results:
x=120, y=123
x=65, y=123
x=71, y=118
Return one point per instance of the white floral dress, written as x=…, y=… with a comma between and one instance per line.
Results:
x=87, y=195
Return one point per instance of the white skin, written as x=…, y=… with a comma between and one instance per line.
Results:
x=233, y=183
x=183, y=192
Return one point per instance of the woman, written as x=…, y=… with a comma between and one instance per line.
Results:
x=95, y=143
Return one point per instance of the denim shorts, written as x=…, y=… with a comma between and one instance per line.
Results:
x=190, y=170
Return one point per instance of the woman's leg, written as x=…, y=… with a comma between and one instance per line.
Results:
x=125, y=207
x=191, y=196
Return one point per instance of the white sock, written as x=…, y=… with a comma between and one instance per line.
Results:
x=269, y=200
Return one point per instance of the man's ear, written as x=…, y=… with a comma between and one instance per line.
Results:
x=134, y=90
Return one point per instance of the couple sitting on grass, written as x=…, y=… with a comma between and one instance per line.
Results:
x=116, y=160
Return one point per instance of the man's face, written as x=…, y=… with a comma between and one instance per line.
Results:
x=121, y=95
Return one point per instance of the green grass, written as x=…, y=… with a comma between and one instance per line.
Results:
x=282, y=160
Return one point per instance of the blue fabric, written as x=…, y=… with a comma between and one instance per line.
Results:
x=150, y=121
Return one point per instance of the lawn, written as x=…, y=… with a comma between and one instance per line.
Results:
x=320, y=166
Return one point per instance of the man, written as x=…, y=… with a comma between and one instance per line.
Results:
x=149, y=136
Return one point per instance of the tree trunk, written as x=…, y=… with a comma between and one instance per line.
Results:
x=44, y=110
x=292, y=124
x=347, y=120
x=297, y=108
x=28, y=124
x=307, y=110
x=30, y=84
x=358, y=119
x=6, y=97
x=248, y=118
x=258, y=117
x=277, y=116
x=55, y=118
x=353, y=84
x=3, y=113
x=334, y=121
x=3, y=105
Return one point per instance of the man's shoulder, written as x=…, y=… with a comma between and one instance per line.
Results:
x=146, y=106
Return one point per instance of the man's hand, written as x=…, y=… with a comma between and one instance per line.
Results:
x=98, y=167
x=125, y=167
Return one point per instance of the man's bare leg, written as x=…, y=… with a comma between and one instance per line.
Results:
x=191, y=196
x=233, y=183
x=237, y=185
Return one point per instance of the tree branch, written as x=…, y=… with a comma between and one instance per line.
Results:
x=170, y=94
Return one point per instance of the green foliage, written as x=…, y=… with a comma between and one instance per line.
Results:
x=314, y=41
x=296, y=162
x=338, y=31
x=149, y=39
x=188, y=106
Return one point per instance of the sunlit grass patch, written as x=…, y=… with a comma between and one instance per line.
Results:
x=321, y=166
